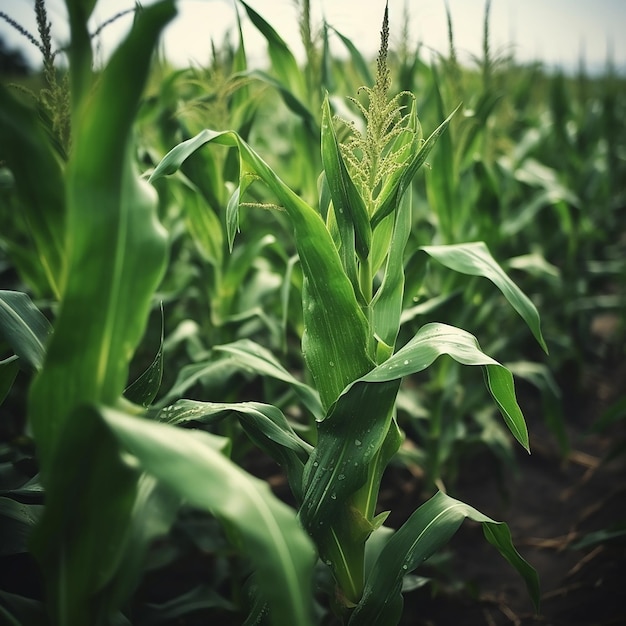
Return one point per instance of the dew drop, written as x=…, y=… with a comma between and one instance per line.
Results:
x=341, y=477
x=315, y=463
x=333, y=496
x=405, y=566
x=406, y=361
x=331, y=363
x=358, y=443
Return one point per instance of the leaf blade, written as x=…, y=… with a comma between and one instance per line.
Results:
x=476, y=260
x=280, y=550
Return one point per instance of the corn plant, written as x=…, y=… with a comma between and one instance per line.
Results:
x=351, y=250
x=113, y=481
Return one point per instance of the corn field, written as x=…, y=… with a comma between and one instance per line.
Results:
x=260, y=329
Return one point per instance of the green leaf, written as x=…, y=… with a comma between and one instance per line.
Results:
x=204, y=226
x=175, y=610
x=189, y=465
x=357, y=58
x=116, y=256
x=255, y=358
x=18, y=610
x=24, y=327
x=143, y=390
x=335, y=339
x=265, y=425
x=8, y=372
x=283, y=62
x=41, y=196
x=476, y=260
x=90, y=494
x=348, y=444
x=154, y=511
x=433, y=340
x=400, y=180
x=429, y=528
x=387, y=303
x=350, y=211
x=288, y=96
x=39, y=182
x=117, y=247
x=16, y=522
x=212, y=370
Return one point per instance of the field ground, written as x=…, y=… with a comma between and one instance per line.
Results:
x=550, y=505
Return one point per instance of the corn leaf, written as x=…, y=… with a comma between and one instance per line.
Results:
x=291, y=100
x=189, y=465
x=18, y=610
x=8, y=372
x=26, y=150
x=476, y=260
x=90, y=494
x=17, y=521
x=144, y=389
x=116, y=257
x=283, y=62
x=348, y=447
x=400, y=181
x=434, y=340
x=255, y=358
x=387, y=303
x=357, y=58
x=265, y=425
x=204, y=226
x=350, y=211
x=335, y=339
x=24, y=327
x=429, y=528
x=117, y=247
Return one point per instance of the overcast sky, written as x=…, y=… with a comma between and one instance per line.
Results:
x=556, y=32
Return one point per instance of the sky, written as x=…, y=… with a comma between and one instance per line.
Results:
x=556, y=32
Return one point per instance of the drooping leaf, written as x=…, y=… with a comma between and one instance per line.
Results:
x=265, y=425
x=255, y=358
x=288, y=96
x=357, y=58
x=335, y=339
x=476, y=260
x=189, y=465
x=434, y=340
x=24, y=327
x=429, y=528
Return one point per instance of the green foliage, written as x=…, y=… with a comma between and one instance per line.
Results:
x=162, y=330
x=358, y=436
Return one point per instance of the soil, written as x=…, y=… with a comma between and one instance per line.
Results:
x=550, y=505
